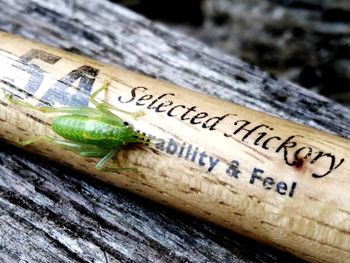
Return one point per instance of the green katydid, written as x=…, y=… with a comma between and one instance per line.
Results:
x=90, y=132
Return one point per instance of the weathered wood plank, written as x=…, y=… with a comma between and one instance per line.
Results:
x=51, y=214
x=302, y=40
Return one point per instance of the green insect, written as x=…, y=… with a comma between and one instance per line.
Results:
x=91, y=132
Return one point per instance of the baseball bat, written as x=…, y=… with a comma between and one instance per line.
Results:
x=270, y=179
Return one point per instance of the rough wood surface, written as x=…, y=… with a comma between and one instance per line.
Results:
x=47, y=216
x=306, y=41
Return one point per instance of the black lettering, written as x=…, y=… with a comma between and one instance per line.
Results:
x=202, y=156
x=281, y=188
x=212, y=163
x=298, y=153
x=233, y=169
x=164, y=105
x=264, y=145
x=161, y=96
x=133, y=95
x=215, y=121
x=200, y=115
x=181, y=150
x=332, y=165
x=143, y=98
x=191, y=109
x=240, y=128
x=292, y=189
x=287, y=144
x=268, y=182
x=194, y=155
x=188, y=151
x=249, y=131
x=171, y=147
x=262, y=135
x=173, y=108
x=255, y=175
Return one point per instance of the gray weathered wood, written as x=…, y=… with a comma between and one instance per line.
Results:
x=51, y=214
x=303, y=40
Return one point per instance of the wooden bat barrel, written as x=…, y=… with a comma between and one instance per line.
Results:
x=270, y=179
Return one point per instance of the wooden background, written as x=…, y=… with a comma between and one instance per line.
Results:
x=49, y=213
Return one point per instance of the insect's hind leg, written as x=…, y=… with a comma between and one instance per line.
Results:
x=66, y=144
x=36, y=139
x=97, y=152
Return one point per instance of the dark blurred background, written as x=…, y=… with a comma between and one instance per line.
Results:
x=305, y=41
